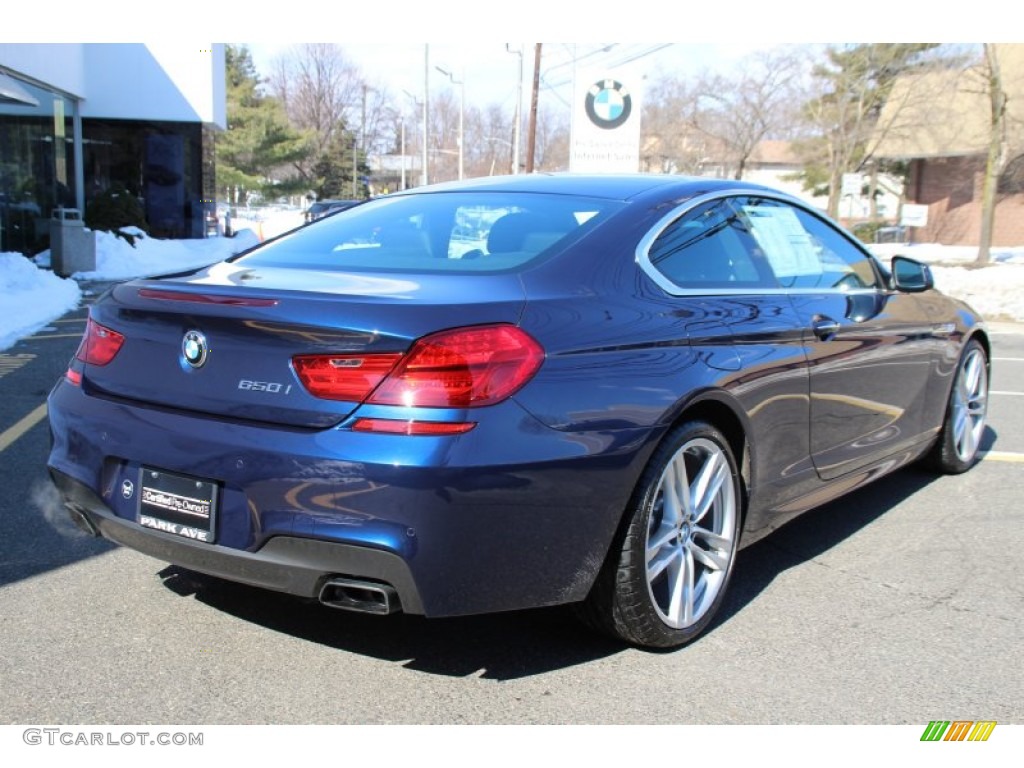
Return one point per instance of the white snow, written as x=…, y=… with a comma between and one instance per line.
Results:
x=32, y=296
x=995, y=290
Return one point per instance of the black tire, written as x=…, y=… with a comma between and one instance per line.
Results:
x=668, y=570
x=958, y=446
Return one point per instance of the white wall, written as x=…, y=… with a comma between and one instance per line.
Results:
x=57, y=65
x=156, y=81
x=130, y=81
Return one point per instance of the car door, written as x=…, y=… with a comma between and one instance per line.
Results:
x=870, y=349
x=747, y=333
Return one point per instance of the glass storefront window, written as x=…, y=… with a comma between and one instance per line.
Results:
x=36, y=166
x=167, y=166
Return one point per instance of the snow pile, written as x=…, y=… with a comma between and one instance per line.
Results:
x=30, y=297
x=997, y=292
x=117, y=259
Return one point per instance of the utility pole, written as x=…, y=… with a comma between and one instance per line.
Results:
x=531, y=139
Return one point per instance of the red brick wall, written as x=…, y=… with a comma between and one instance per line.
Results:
x=951, y=188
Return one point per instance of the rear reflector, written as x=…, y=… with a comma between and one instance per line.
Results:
x=73, y=376
x=99, y=344
x=343, y=377
x=403, y=427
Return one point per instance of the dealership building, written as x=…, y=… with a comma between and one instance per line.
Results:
x=80, y=118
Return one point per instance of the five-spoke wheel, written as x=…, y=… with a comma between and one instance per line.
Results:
x=667, y=573
x=959, y=443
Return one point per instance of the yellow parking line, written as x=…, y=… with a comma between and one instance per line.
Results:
x=1016, y=458
x=54, y=336
x=8, y=436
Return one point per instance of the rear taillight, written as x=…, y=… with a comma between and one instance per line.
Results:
x=343, y=377
x=460, y=368
x=99, y=344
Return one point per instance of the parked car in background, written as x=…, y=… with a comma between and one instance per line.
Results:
x=514, y=392
x=322, y=208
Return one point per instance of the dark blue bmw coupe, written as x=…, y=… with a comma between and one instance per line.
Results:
x=513, y=392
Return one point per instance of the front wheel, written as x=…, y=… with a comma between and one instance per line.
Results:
x=667, y=575
x=958, y=446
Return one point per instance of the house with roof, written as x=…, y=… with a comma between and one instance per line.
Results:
x=939, y=122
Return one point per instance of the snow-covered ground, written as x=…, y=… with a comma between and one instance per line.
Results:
x=996, y=290
x=32, y=296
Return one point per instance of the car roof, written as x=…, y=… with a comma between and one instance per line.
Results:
x=609, y=186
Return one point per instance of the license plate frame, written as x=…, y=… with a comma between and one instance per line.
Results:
x=178, y=504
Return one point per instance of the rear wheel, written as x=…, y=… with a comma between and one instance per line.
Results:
x=959, y=443
x=667, y=575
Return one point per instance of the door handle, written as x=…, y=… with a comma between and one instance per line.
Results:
x=825, y=327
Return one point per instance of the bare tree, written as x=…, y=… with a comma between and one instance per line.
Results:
x=551, y=140
x=998, y=147
x=321, y=90
x=669, y=141
x=738, y=111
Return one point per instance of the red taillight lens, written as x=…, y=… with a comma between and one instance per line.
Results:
x=343, y=377
x=462, y=368
x=99, y=344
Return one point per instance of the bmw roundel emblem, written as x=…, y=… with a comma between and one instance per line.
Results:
x=194, y=348
x=608, y=104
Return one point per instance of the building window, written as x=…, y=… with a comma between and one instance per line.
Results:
x=36, y=166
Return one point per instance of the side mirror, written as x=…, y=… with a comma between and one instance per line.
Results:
x=911, y=276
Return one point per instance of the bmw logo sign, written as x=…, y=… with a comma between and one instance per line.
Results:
x=195, y=349
x=608, y=104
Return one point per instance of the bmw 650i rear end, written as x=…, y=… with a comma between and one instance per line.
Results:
x=206, y=440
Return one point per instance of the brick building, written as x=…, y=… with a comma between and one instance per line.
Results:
x=939, y=122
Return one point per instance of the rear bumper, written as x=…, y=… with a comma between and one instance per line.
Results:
x=510, y=515
x=288, y=564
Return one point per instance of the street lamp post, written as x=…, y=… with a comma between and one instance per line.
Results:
x=426, y=110
x=462, y=110
x=362, y=143
x=517, y=126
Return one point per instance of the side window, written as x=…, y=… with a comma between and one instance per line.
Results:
x=805, y=251
x=710, y=247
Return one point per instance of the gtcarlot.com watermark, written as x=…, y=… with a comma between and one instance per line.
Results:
x=70, y=737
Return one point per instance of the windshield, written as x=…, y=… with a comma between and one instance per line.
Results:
x=429, y=232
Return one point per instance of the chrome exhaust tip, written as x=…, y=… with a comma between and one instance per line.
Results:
x=80, y=519
x=360, y=596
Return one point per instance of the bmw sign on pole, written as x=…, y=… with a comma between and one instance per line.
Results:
x=606, y=122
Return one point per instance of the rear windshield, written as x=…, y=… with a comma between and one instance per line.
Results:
x=433, y=232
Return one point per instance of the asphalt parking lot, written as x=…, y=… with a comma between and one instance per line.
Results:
x=901, y=604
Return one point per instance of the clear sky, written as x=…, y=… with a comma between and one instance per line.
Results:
x=491, y=73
